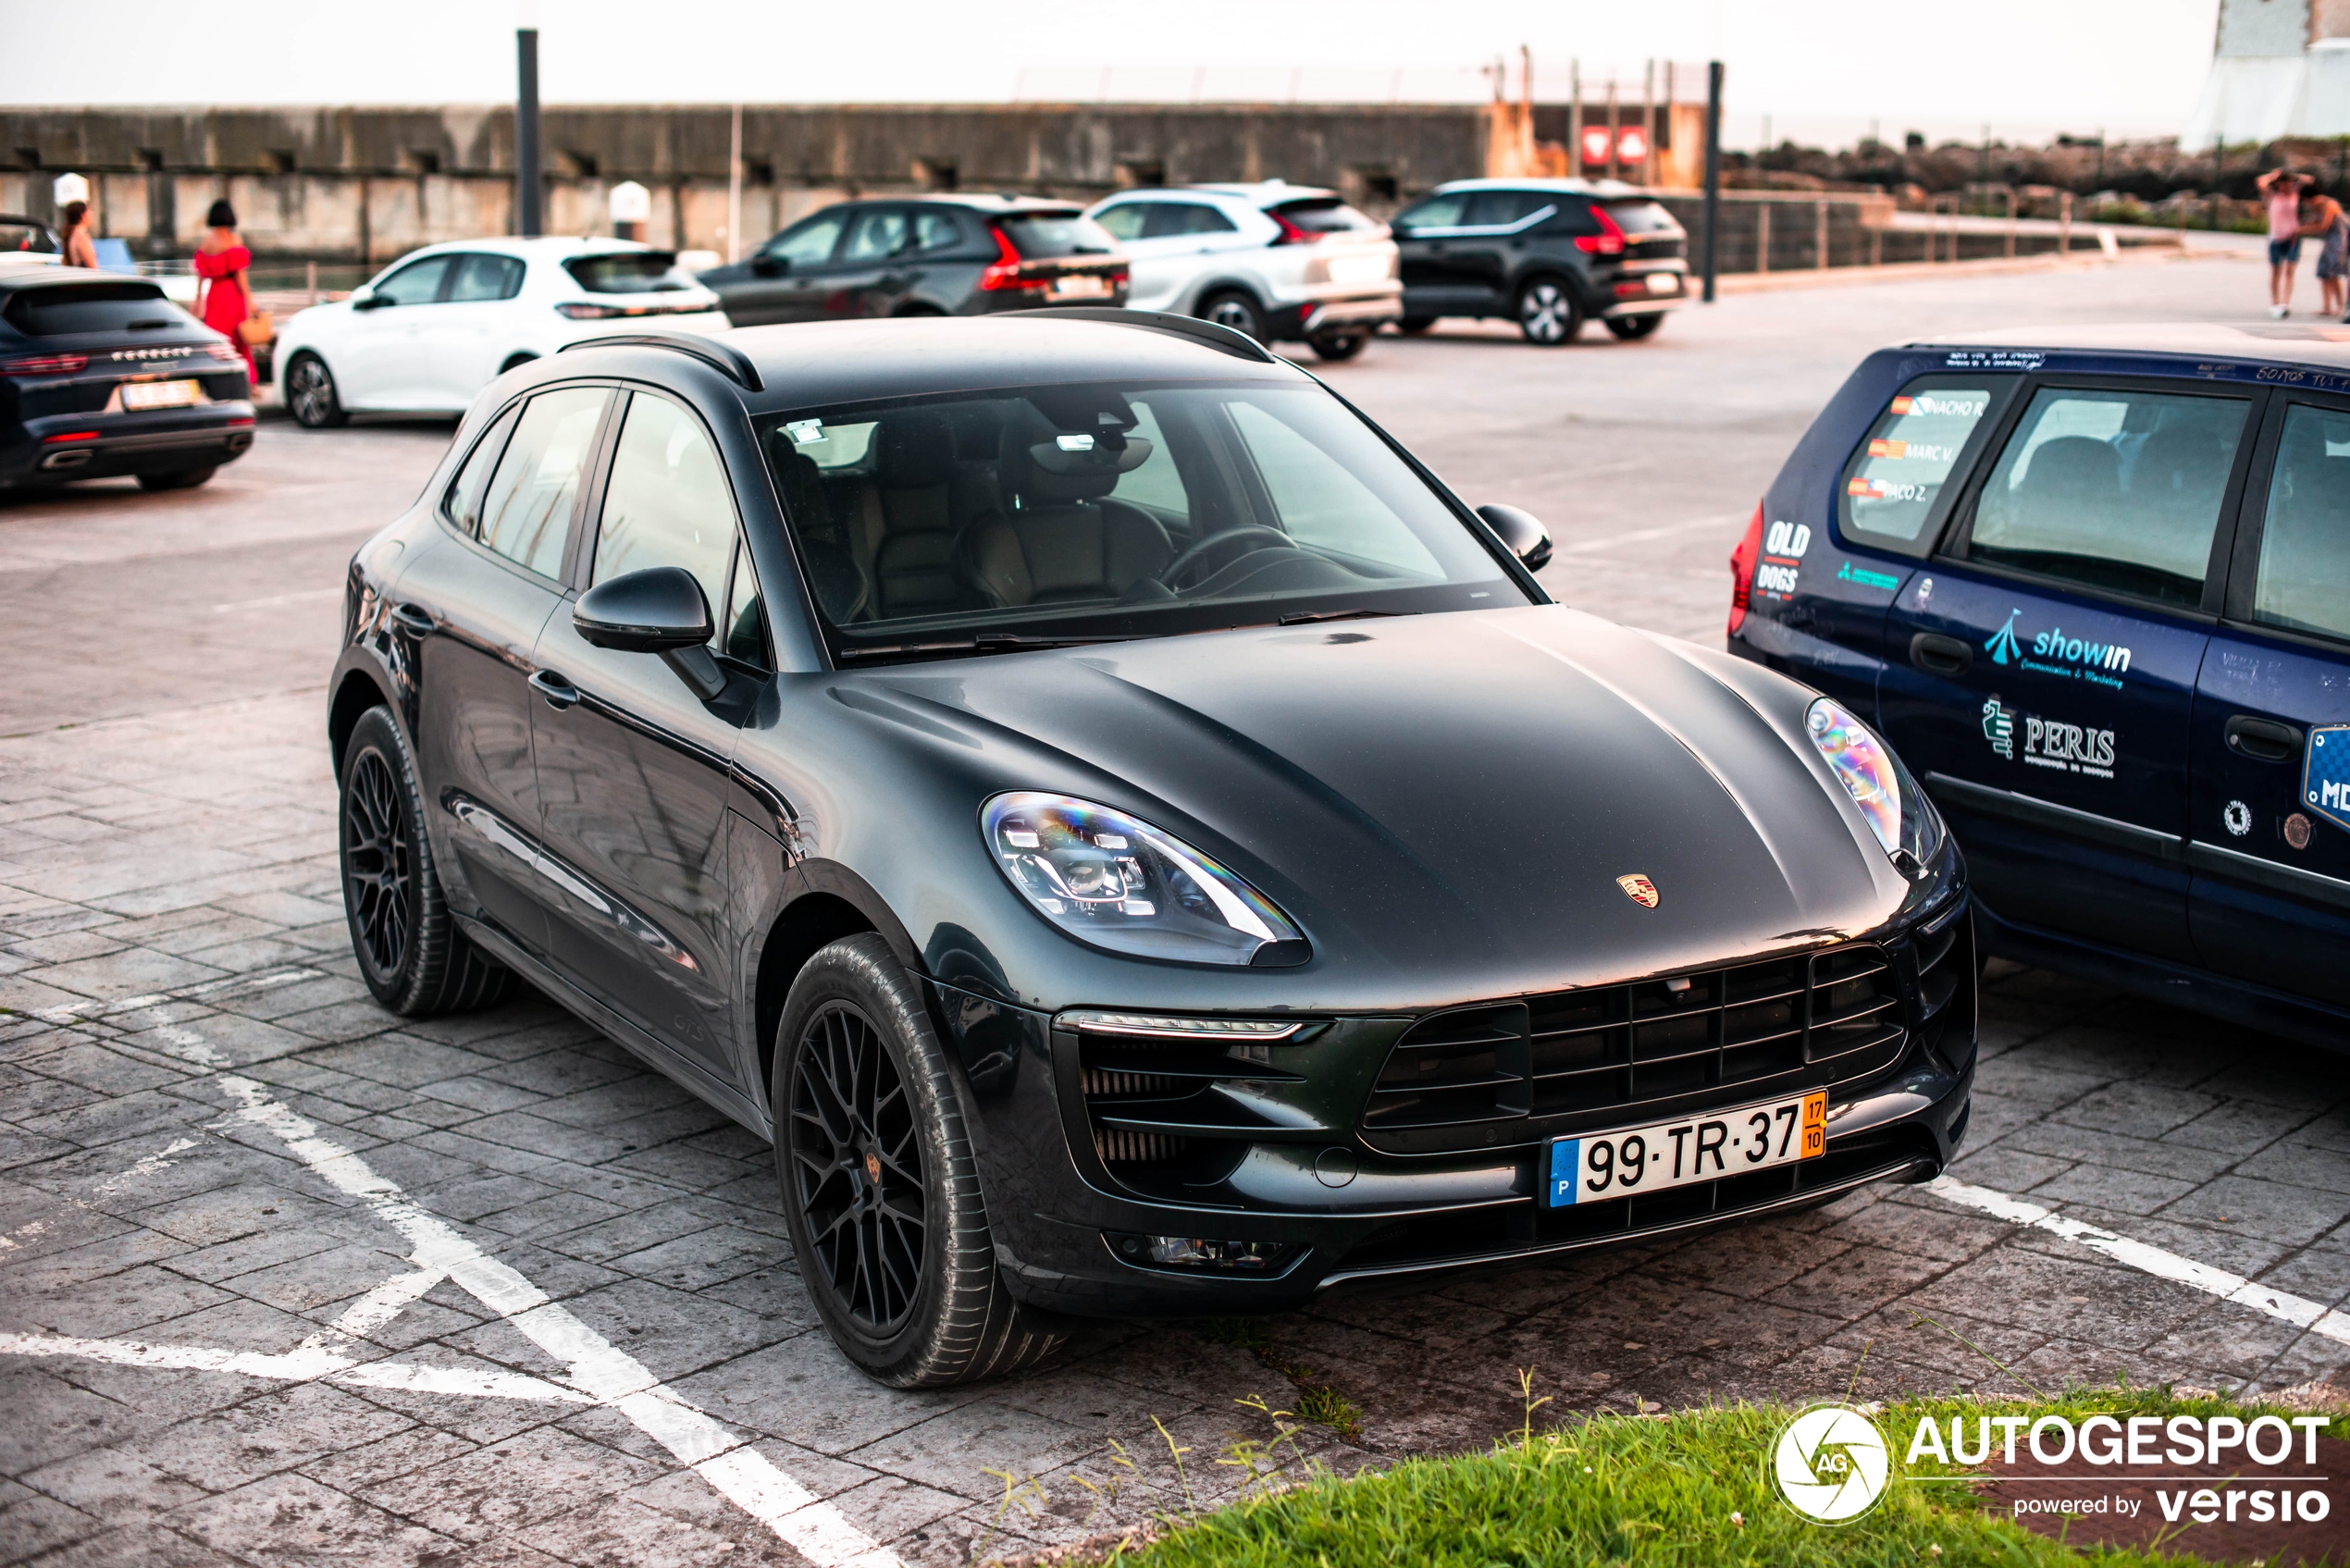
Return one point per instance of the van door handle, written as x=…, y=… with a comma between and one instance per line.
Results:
x=560, y=694
x=2263, y=740
x=416, y=623
x=1939, y=655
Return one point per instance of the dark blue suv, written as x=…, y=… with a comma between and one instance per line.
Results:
x=2094, y=586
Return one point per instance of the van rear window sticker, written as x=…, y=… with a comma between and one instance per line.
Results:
x=2325, y=775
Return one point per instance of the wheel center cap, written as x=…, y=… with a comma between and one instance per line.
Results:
x=872, y=1168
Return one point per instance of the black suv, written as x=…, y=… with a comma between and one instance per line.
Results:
x=933, y=256
x=1550, y=252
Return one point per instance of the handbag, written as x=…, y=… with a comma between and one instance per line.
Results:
x=256, y=330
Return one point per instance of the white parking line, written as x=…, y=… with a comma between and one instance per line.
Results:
x=305, y=1366
x=2283, y=1305
x=607, y=1375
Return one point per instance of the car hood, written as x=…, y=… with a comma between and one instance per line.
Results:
x=1462, y=791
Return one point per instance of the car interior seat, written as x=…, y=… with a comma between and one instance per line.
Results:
x=911, y=518
x=2067, y=476
x=1058, y=537
x=838, y=582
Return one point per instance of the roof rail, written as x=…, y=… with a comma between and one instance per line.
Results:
x=1240, y=345
x=725, y=358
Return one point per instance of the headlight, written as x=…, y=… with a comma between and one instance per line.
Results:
x=1899, y=813
x=1107, y=879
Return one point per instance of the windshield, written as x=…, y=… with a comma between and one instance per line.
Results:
x=1104, y=511
x=93, y=307
x=1323, y=214
x=628, y=272
x=1642, y=217
x=16, y=234
x=1044, y=235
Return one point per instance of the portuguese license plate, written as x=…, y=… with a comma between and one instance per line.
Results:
x=1598, y=1167
x=1664, y=283
x=1081, y=285
x=159, y=394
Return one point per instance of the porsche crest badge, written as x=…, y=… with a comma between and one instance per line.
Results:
x=1639, y=889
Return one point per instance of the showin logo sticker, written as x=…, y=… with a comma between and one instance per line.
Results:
x=1830, y=1464
x=2002, y=646
x=2054, y=653
x=2325, y=775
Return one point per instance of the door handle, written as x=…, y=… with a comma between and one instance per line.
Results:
x=560, y=694
x=1939, y=655
x=2263, y=740
x=416, y=623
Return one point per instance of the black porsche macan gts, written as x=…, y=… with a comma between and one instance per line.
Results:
x=1134, y=840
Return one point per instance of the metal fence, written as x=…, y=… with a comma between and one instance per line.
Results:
x=1774, y=232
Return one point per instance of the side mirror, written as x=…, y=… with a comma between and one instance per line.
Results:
x=767, y=264
x=1522, y=532
x=366, y=299
x=660, y=610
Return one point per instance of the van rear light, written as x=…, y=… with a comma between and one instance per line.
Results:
x=1742, y=561
x=1003, y=272
x=1607, y=242
x=45, y=365
x=70, y=436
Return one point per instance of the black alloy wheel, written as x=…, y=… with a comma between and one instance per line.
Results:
x=1341, y=345
x=411, y=953
x=1632, y=329
x=881, y=1188
x=1546, y=313
x=310, y=393
x=1233, y=308
x=178, y=479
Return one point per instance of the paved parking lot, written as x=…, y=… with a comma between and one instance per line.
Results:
x=283, y=1277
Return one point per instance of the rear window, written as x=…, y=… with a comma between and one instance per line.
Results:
x=628, y=272
x=1901, y=478
x=1642, y=217
x=1047, y=234
x=18, y=236
x=1323, y=214
x=93, y=307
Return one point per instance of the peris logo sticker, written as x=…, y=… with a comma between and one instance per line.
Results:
x=2325, y=775
x=1998, y=727
x=1830, y=1464
x=2048, y=743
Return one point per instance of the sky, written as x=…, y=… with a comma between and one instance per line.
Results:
x=1822, y=71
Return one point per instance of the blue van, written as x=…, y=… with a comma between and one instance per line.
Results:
x=2094, y=586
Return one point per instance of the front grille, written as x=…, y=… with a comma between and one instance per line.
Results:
x=1121, y=1146
x=1831, y=1016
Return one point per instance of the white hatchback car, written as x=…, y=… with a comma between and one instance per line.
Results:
x=433, y=329
x=1278, y=261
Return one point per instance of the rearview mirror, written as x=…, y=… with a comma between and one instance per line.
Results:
x=363, y=298
x=769, y=266
x=1522, y=532
x=660, y=610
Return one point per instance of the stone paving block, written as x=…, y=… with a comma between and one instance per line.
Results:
x=52, y=1418
x=714, y=1256
x=2221, y=1246
x=278, y=908
x=2320, y=1274
x=67, y=945
x=30, y=1095
x=106, y=1301
x=2064, y=1141
x=2021, y=1075
x=397, y=1060
x=127, y=1115
x=1856, y=1279
x=481, y=1095
x=572, y=1071
x=2073, y=1296
x=474, y=1195
x=954, y=1450
x=804, y=1391
x=31, y=1521
x=674, y=1333
x=2236, y=1345
x=521, y=1130
x=191, y=931
x=556, y=1215
x=294, y=1521
x=2242, y=1128
x=133, y=971
x=327, y=1275
x=2004, y=1168
x=261, y=1436
x=681, y=1164
x=387, y=1459
x=620, y=1529
x=2302, y=1164
x=507, y=1486
x=2129, y=1191
x=103, y=1069
x=237, y=1325
x=2272, y=1209
x=262, y=1249
x=249, y=1207
x=2135, y=1109
x=2312, y=1358
x=111, y=1486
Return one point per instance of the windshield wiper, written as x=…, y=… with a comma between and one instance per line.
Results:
x=1307, y=617
x=985, y=642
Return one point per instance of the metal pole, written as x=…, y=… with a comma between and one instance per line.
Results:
x=1575, y=117
x=1820, y=234
x=1614, y=163
x=1648, y=126
x=1712, y=170
x=1763, y=232
x=735, y=191
x=528, y=194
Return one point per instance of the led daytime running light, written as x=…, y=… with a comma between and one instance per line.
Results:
x=1167, y=1027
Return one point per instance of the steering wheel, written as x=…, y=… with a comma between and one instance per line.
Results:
x=1272, y=538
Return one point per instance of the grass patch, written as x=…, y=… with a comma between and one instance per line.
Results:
x=1316, y=1401
x=1688, y=1489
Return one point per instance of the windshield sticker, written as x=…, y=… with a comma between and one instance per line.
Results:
x=1994, y=359
x=1848, y=573
x=2048, y=743
x=805, y=432
x=2325, y=776
x=2053, y=653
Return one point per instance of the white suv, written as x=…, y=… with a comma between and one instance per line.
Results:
x=1278, y=261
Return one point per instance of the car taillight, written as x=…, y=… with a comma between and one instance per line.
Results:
x=1743, y=561
x=1607, y=242
x=46, y=365
x=223, y=352
x=580, y=310
x=1003, y=272
x=1291, y=234
x=70, y=435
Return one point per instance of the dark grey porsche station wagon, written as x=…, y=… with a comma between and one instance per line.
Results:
x=1136, y=842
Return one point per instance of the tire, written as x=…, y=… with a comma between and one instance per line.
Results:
x=178, y=479
x=311, y=395
x=1548, y=313
x=410, y=954
x=1413, y=326
x=1632, y=329
x=880, y=1191
x=1342, y=345
x=1234, y=309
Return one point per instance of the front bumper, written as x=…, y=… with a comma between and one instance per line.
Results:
x=57, y=448
x=1350, y=1206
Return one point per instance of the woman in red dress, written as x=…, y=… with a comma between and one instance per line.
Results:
x=227, y=299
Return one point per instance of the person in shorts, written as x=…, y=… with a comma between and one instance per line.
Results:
x=2281, y=190
x=2327, y=224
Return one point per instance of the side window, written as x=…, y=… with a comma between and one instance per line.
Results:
x=418, y=283
x=1493, y=209
x=1322, y=505
x=808, y=244
x=2304, y=582
x=1437, y=212
x=878, y=232
x=1900, y=479
x=486, y=277
x=2113, y=489
x=1574, y=218
x=462, y=504
x=1125, y=221
x=668, y=503
x=1156, y=484
x=743, y=633
x=526, y=516
x=1171, y=218
x=935, y=231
